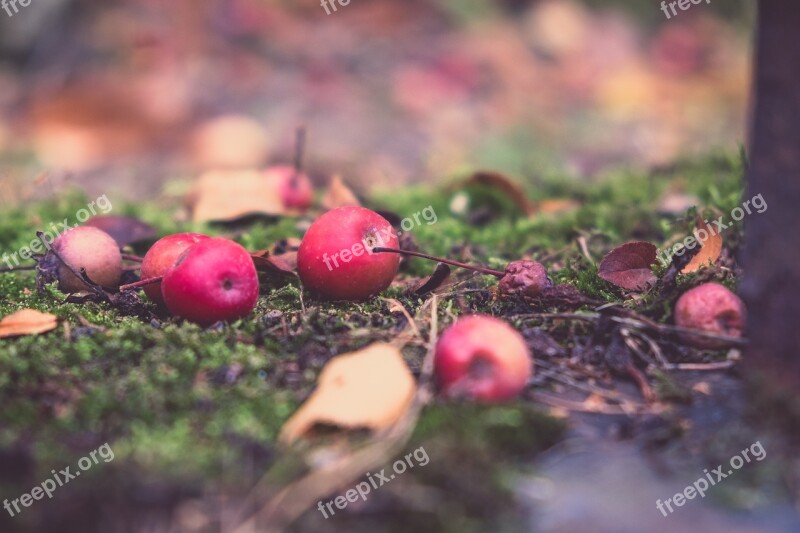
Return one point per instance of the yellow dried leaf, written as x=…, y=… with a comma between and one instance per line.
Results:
x=27, y=322
x=338, y=195
x=711, y=248
x=371, y=388
x=222, y=195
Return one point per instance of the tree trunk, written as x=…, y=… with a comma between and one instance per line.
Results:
x=771, y=259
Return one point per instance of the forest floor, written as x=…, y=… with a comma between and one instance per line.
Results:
x=193, y=414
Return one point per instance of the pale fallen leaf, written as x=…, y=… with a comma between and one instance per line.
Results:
x=230, y=141
x=224, y=195
x=27, y=322
x=710, y=248
x=338, y=195
x=557, y=206
x=702, y=387
x=371, y=388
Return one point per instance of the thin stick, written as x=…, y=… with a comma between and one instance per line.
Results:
x=482, y=270
x=141, y=283
x=299, y=152
x=3, y=270
x=129, y=257
x=661, y=328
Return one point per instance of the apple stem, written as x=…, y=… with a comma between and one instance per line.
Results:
x=299, y=151
x=129, y=257
x=140, y=283
x=482, y=270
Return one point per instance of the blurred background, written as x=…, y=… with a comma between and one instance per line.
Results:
x=126, y=96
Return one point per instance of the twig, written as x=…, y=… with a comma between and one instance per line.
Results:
x=722, y=365
x=4, y=270
x=584, y=248
x=482, y=270
x=141, y=283
x=640, y=323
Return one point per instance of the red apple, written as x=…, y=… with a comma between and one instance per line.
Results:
x=211, y=281
x=482, y=358
x=294, y=187
x=162, y=256
x=335, y=260
x=88, y=248
x=712, y=308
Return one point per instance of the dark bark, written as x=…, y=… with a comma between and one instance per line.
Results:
x=771, y=285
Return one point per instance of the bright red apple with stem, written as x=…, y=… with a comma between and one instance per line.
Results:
x=482, y=358
x=162, y=256
x=214, y=280
x=335, y=260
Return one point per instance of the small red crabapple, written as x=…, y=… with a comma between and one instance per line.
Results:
x=87, y=248
x=162, y=256
x=712, y=308
x=211, y=281
x=483, y=358
x=335, y=260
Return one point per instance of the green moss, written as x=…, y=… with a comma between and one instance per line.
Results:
x=180, y=403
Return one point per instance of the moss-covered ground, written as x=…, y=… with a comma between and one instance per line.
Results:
x=192, y=412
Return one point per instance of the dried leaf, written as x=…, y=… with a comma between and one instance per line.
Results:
x=371, y=388
x=502, y=183
x=338, y=195
x=434, y=281
x=710, y=248
x=230, y=141
x=225, y=195
x=563, y=295
x=285, y=263
x=557, y=206
x=27, y=322
x=628, y=266
x=124, y=230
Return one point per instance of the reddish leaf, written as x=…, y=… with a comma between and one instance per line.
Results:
x=628, y=266
x=284, y=264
